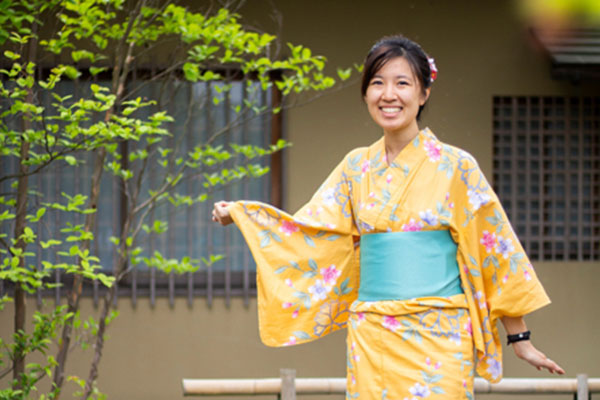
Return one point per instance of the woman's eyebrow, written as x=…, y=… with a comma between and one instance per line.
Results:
x=397, y=76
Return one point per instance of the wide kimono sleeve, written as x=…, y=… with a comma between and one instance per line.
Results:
x=501, y=280
x=307, y=266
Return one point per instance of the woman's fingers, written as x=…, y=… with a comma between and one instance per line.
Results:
x=554, y=367
x=533, y=356
x=550, y=365
x=221, y=214
x=540, y=361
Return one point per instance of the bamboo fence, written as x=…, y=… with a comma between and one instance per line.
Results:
x=287, y=386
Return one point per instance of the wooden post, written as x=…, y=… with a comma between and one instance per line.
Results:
x=288, y=384
x=582, y=387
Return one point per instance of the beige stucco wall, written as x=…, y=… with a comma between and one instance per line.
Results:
x=481, y=49
x=150, y=350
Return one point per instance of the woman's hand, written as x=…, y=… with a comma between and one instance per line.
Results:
x=526, y=351
x=221, y=214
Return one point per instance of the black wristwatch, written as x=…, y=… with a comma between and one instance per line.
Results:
x=518, y=337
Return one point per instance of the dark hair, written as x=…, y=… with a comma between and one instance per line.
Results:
x=390, y=47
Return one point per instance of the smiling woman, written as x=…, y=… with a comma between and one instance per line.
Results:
x=394, y=98
x=406, y=245
x=396, y=84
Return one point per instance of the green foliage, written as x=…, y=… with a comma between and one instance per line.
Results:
x=101, y=38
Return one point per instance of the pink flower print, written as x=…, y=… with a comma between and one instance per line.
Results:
x=289, y=282
x=365, y=166
x=412, y=226
x=434, y=150
x=319, y=290
x=451, y=205
x=419, y=390
x=488, y=240
x=527, y=275
x=330, y=275
x=356, y=357
x=428, y=361
x=295, y=313
x=391, y=323
x=328, y=197
x=388, y=178
x=291, y=341
x=464, y=383
x=320, y=210
x=447, y=195
x=504, y=246
x=330, y=226
x=309, y=212
x=468, y=327
x=360, y=317
x=287, y=304
x=288, y=228
x=438, y=365
x=370, y=205
x=353, y=379
x=505, y=278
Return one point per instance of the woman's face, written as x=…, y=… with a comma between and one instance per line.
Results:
x=393, y=97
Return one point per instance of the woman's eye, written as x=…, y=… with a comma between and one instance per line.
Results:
x=402, y=83
x=376, y=82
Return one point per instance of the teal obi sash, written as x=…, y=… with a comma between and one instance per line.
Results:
x=406, y=265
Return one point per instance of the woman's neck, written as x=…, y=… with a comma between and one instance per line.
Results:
x=396, y=141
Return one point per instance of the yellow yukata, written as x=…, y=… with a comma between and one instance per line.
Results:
x=308, y=271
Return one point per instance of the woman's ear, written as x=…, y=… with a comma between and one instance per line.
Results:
x=425, y=96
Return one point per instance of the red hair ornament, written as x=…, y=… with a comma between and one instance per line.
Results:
x=433, y=69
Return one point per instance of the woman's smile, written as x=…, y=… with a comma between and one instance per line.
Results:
x=390, y=111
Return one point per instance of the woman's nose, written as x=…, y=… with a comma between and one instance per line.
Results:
x=388, y=92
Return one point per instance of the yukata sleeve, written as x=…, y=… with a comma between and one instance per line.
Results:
x=502, y=281
x=307, y=268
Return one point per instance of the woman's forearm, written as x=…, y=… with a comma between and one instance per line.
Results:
x=513, y=325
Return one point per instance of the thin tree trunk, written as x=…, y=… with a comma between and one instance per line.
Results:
x=122, y=66
x=120, y=71
x=20, y=223
x=107, y=305
x=75, y=294
x=99, y=346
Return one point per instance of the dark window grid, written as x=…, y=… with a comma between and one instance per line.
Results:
x=230, y=283
x=554, y=165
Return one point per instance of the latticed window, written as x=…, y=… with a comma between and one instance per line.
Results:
x=197, y=117
x=546, y=172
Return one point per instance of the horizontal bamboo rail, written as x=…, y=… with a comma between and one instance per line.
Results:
x=323, y=386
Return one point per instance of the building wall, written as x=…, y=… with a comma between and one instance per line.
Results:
x=481, y=49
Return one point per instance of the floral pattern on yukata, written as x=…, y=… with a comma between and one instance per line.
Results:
x=308, y=263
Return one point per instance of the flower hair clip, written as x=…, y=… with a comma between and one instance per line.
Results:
x=433, y=69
